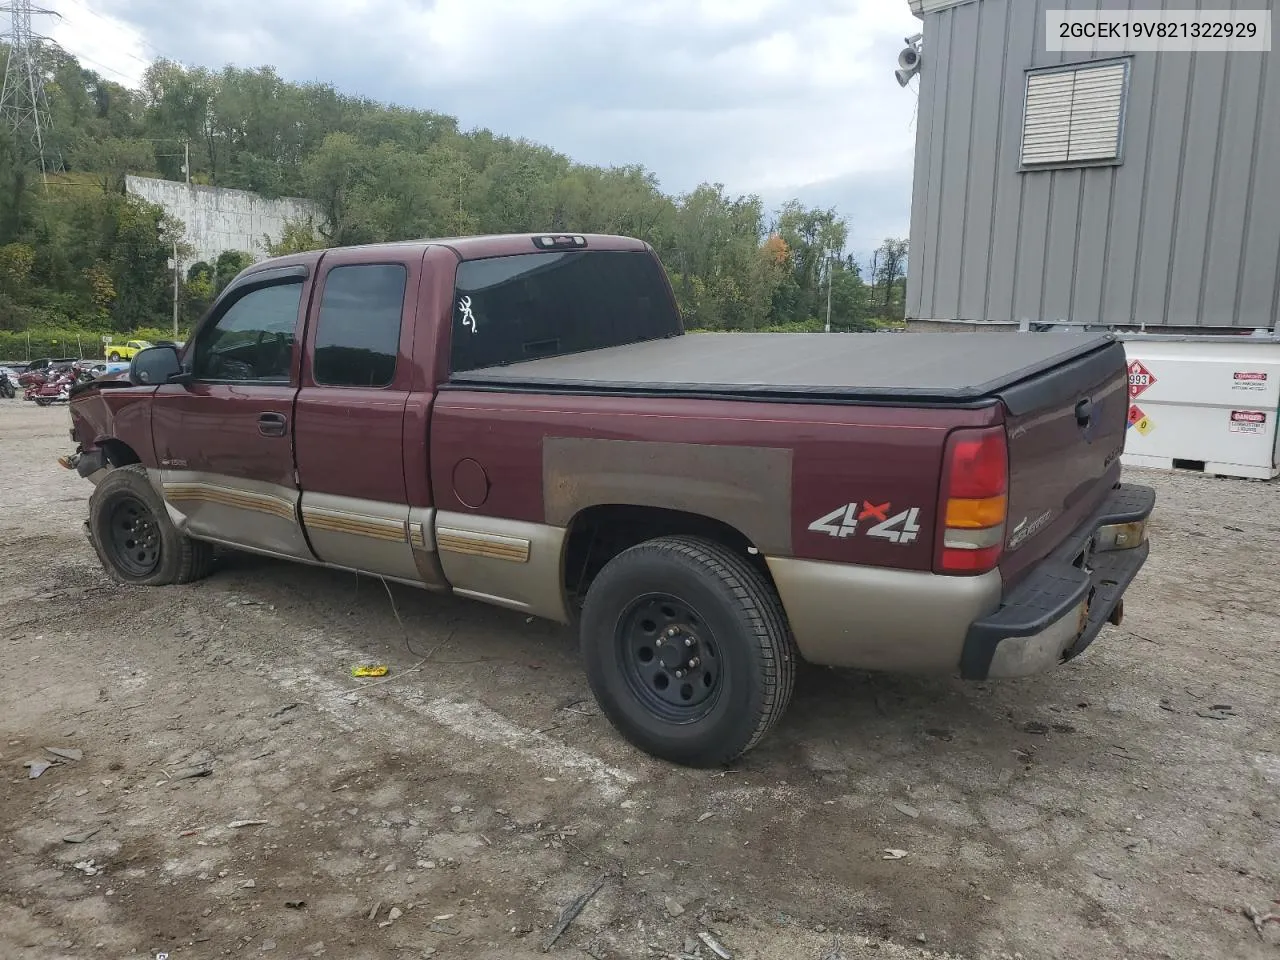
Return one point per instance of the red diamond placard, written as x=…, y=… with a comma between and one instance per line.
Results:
x=1140, y=378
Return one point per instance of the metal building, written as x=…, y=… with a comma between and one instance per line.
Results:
x=1155, y=203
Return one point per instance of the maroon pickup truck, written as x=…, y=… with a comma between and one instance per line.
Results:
x=522, y=420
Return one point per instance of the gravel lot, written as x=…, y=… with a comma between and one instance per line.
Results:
x=1111, y=808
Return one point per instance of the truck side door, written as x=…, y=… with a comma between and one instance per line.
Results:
x=224, y=440
x=357, y=380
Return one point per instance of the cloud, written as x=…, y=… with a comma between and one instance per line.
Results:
x=764, y=96
x=876, y=205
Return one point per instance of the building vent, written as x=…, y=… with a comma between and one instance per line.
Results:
x=1074, y=116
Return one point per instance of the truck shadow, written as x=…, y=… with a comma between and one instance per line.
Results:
x=978, y=782
x=833, y=710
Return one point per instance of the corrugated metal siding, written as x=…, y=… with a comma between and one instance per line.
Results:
x=1184, y=231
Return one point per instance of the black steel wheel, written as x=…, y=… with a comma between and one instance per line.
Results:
x=687, y=650
x=669, y=656
x=135, y=537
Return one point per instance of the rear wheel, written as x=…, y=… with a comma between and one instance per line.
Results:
x=687, y=650
x=134, y=537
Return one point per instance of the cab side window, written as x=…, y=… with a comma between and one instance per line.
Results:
x=358, y=330
x=253, y=341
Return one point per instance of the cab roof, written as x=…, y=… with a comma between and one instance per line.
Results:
x=470, y=248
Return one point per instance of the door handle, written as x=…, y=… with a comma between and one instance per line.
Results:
x=272, y=424
x=1084, y=412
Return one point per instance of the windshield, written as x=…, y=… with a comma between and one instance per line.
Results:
x=522, y=307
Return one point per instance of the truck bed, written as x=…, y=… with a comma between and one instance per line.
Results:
x=930, y=367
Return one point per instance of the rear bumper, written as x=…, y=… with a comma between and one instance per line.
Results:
x=872, y=618
x=1060, y=607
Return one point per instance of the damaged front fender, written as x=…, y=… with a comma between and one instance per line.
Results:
x=92, y=466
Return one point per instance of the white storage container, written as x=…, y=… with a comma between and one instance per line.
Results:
x=1204, y=403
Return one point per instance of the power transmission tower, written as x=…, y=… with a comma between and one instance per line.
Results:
x=24, y=109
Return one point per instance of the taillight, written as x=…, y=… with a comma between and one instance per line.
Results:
x=975, y=501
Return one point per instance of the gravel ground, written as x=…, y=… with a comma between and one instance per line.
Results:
x=1112, y=808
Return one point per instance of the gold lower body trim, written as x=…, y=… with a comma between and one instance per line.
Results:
x=227, y=497
x=488, y=545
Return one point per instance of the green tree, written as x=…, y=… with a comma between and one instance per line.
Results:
x=298, y=236
x=889, y=278
x=16, y=261
x=228, y=266
x=197, y=292
x=98, y=258
x=112, y=159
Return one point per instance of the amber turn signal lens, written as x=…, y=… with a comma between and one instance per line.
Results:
x=976, y=514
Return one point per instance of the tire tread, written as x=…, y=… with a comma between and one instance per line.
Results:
x=194, y=557
x=760, y=607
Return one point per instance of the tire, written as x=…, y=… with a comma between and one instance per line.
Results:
x=681, y=596
x=114, y=358
x=43, y=401
x=133, y=536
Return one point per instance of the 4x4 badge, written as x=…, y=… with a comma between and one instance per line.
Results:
x=901, y=528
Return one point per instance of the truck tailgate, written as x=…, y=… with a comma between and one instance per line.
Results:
x=1066, y=429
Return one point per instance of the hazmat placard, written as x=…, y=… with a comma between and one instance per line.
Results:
x=1140, y=379
x=1138, y=420
x=1248, y=421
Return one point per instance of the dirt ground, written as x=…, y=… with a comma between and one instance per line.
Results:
x=1111, y=808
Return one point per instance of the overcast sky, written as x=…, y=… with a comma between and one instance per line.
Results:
x=771, y=97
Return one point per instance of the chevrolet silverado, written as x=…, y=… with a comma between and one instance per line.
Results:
x=523, y=421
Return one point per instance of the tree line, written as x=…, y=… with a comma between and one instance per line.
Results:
x=77, y=252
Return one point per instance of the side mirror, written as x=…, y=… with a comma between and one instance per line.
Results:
x=155, y=366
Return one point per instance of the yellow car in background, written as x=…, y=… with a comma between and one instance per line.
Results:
x=127, y=350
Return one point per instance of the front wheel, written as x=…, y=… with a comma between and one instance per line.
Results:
x=687, y=650
x=134, y=537
x=115, y=357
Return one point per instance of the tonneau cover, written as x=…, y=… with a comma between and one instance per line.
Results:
x=943, y=367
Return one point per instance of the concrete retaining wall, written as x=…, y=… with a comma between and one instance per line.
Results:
x=217, y=219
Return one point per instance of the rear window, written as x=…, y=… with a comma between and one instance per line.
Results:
x=523, y=307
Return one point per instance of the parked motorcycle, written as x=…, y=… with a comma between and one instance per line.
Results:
x=57, y=389
x=35, y=376
x=8, y=389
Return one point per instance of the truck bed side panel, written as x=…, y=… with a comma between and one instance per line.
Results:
x=770, y=470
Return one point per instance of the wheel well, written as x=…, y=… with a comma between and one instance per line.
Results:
x=118, y=453
x=600, y=533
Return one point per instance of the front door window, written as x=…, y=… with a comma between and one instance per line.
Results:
x=253, y=341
